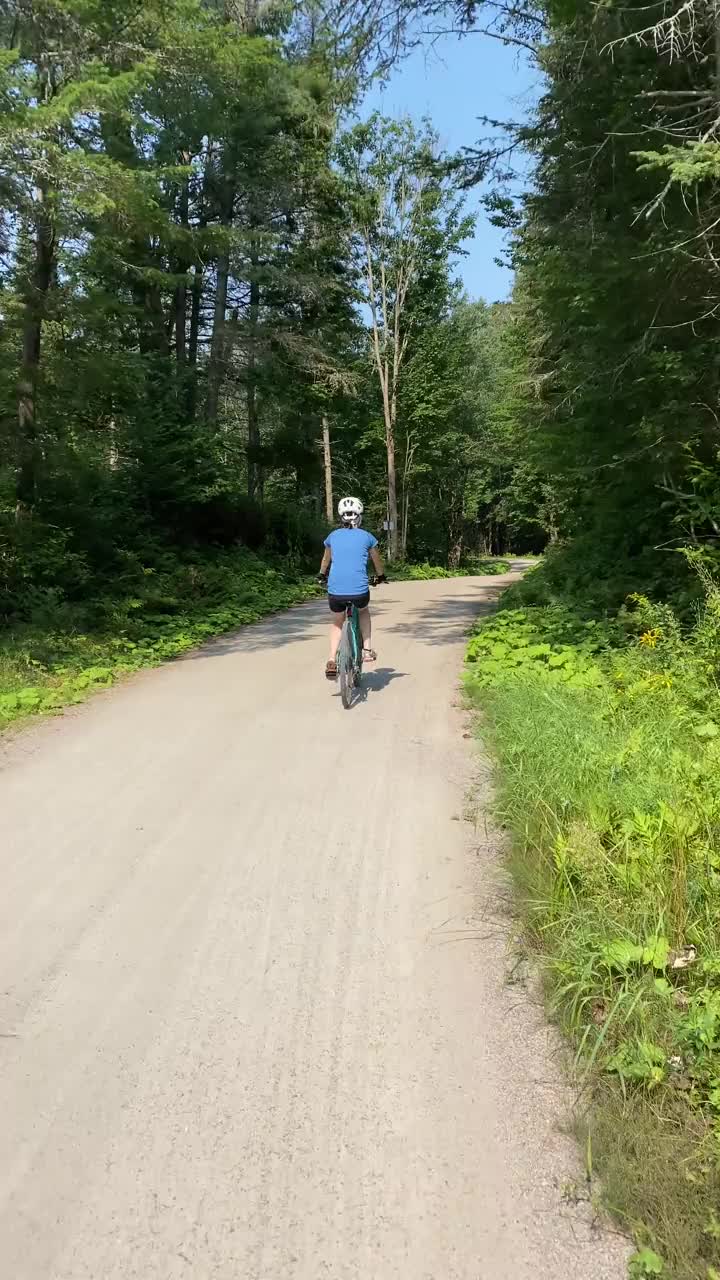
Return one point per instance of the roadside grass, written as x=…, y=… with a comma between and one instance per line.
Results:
x=606, y=736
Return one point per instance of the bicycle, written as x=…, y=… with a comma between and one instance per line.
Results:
x=350, y=651
x=349, y=656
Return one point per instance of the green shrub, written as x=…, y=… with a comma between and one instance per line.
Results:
x=595, y=580
x=607, y=736
x=60, y=656
x=426, y=572
x=44, y=566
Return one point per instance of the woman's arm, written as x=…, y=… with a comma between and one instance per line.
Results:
x=377, y=562
x=326, y=561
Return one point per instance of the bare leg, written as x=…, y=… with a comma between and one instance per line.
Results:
x=335, y=631
x=366, y=628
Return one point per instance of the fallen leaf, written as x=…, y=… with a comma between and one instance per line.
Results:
x=683, y=958
x=599, y=1012
x=679, y=1080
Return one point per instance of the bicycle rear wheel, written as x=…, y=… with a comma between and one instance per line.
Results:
x=346, y=666
x=358, y=649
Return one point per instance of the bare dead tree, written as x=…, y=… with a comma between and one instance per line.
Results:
x=390, y=250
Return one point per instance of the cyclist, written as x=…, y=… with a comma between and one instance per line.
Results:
x=344, y=572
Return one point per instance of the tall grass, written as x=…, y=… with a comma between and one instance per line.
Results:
x=607, y=742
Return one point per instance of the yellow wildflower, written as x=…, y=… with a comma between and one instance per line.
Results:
x=650, y=638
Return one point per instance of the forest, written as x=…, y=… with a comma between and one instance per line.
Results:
x=227, y=297
x=195, y=232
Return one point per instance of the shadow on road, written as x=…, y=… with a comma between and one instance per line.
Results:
x=446, y=619
x=300, y=623
x=373, y=681
x=378, y=678
x=440, y=621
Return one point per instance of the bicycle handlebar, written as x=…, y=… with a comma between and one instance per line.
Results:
x=377, y=580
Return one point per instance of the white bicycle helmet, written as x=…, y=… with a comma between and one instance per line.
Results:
x=350, y=511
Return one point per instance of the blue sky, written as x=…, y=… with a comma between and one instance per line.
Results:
x=454, y=83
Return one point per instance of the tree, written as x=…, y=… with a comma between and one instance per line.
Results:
x=61, y=67
x=406, y=217
x=182, y=261
x=464, y=406
x=615, y=293
x=173, y=275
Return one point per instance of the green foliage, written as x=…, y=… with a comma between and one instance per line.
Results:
x=473, y=490
x=550, y=645
x=646, y=1263
x=178, y=266
x=425, y=572
x=606, y=737
x=70, y=651
x=174, y=268
x=686, y=165
x=615, y=247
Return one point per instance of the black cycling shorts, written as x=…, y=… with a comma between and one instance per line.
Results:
x=338, y=604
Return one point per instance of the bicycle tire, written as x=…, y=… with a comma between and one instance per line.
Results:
x=346, y=666
x=358, y=646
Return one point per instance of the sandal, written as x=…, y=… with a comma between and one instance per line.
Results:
x=331, y=670
x=369, y=655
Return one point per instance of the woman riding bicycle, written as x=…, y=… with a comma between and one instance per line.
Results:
x=344, y=572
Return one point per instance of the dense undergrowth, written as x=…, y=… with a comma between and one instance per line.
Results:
x=471, y=568
x=66, y=649
x=607, y=735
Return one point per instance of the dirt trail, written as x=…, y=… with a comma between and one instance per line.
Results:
x=254, y=1023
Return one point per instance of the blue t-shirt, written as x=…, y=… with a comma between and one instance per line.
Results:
x=348, y=571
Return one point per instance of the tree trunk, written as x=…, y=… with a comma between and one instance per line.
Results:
x=456, y=530
x=154, y=329
x=392, y=499
x=410, y=446
x=218, y=345
x=183, y=265
x=255, y=477
x=389, y=400
x=327, y=461
x=405, y=520
x=180, y=325
x=392, y=502
x=456, y=550
x=36, y=292
x=197, y=291
x=195, y=304
x=196, y=297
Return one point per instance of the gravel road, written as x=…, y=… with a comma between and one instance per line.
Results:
x=255, y=1018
